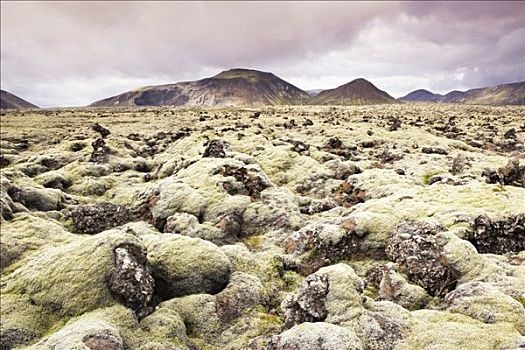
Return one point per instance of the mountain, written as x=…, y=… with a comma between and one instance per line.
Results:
x=421, y=95
x=504, y=94
x=314, y=92
x=234, y=87
x=356, y=92
x=10, y=101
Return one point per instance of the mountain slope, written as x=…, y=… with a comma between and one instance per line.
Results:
x=421, y=95
x=356, y=92
x=504, y=94
x=10, y=101
x=235, y=87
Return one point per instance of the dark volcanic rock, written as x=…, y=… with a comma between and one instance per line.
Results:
x=253, y=183
x=215, y=149
x=498, y=236
x=130, y=281
x=11, y=338
x=308, y=304
x=100, y=152
x=433, y=150
x=347, y=195
x=101, y=130
x=98, y=217
x=414, y=247
x=511, y=174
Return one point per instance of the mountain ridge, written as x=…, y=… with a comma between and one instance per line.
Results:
x=502, y=94
x=11, y=101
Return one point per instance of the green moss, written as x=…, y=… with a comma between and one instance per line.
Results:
x=427, y=176
x=441, y=330
x=254, y=242
x=66, y=281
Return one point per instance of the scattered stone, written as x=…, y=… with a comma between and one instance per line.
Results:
x=512, y=174
x=100, y=152
x=307, y=305
x=434, y=150
x=498, y=236
x=396, y=288
x=251, y=177
x=458, y=164
x=510, y=134
x=215, y=149
x=95, y=218
x=101, y=130
x=414, y=247
x=347, y=195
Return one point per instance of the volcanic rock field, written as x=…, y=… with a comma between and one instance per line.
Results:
x=278, y=228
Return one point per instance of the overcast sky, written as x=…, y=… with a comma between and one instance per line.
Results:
x=72, y=53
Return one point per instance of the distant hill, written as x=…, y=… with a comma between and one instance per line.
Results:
x=10, y=101
x=314, y=92
x=356, y=92
x=234, y=87
x=421, y=95
x=504, y=94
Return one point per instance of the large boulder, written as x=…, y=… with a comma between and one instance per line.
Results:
x=416, y=249
x=485, y=303
x=316, y=336
x=183, y=265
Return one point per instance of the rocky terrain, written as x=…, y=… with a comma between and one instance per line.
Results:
x=504, y=94
x=398, y=226
x=10, y=101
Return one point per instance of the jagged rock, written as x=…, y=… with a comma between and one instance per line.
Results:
x=100, y=152
x=325, y=295
x=253, y=181
x=347, y=195
x=498, y=236
x=307, y=305
x=101, y=130
x=414, y=248
x=215, y=149
x=318, y=244
x=512, y=174
x=131, y=281
x=98, y=217
x=396, y=288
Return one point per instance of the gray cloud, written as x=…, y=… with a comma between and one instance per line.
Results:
x=69, y=53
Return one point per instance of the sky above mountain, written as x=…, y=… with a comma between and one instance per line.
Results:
x=73, y=53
